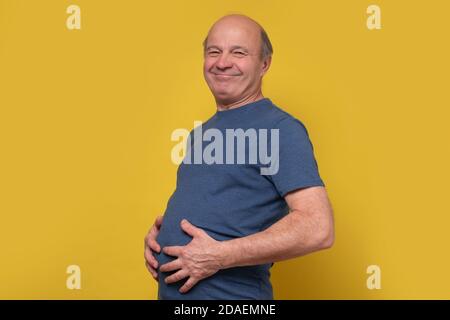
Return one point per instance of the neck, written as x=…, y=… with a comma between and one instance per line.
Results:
x=221, y=106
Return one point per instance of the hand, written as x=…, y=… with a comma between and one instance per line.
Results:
x=150, y=246
x=199, y=259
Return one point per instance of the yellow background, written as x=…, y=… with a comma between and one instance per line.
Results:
x=86, y=117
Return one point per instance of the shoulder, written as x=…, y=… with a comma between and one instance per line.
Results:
x=285, y=121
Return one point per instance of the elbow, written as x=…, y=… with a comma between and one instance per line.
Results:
x=325, y=238
x=327, y=242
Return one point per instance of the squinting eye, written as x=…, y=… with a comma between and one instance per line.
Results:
x=213, y=52
x=239, y=53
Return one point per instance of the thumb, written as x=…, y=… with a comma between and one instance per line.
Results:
x=189, y=228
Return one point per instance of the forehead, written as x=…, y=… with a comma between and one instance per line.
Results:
x=234, y=33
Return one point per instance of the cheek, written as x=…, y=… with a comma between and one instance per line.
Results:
x=207, y=75
x=207, y=64
x=249, y=68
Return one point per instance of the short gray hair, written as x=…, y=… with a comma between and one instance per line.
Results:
x=266, y=45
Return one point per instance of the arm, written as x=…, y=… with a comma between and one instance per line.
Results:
x=307, y=228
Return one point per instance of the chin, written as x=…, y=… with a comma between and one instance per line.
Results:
x=223, y=97
x=223, y=94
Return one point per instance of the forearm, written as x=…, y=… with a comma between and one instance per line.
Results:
x=294, y=235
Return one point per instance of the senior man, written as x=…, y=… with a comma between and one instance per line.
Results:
x=226, y=224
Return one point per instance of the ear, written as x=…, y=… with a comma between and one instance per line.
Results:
x=266, y=65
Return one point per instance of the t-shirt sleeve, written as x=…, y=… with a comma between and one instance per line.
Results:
x=297, y=166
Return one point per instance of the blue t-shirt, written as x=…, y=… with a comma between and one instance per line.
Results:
x=230, y=199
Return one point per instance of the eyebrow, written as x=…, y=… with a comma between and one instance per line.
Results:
x=232, y=48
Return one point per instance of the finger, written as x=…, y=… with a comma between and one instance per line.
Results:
x=150, y=258
x=189, y=228
x=146, y=239
x=151, y=234
x=171, y=266
x=176, y=276
x=152, y=271
x=154, y=230
x=173, y=250
x=188, y=285
x=151, y=242
x=158, y=221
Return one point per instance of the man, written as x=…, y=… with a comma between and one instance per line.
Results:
x=225, y=225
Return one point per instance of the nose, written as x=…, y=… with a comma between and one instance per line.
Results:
x=224, y=62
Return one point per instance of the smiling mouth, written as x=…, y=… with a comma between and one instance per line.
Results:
x=224, y=76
